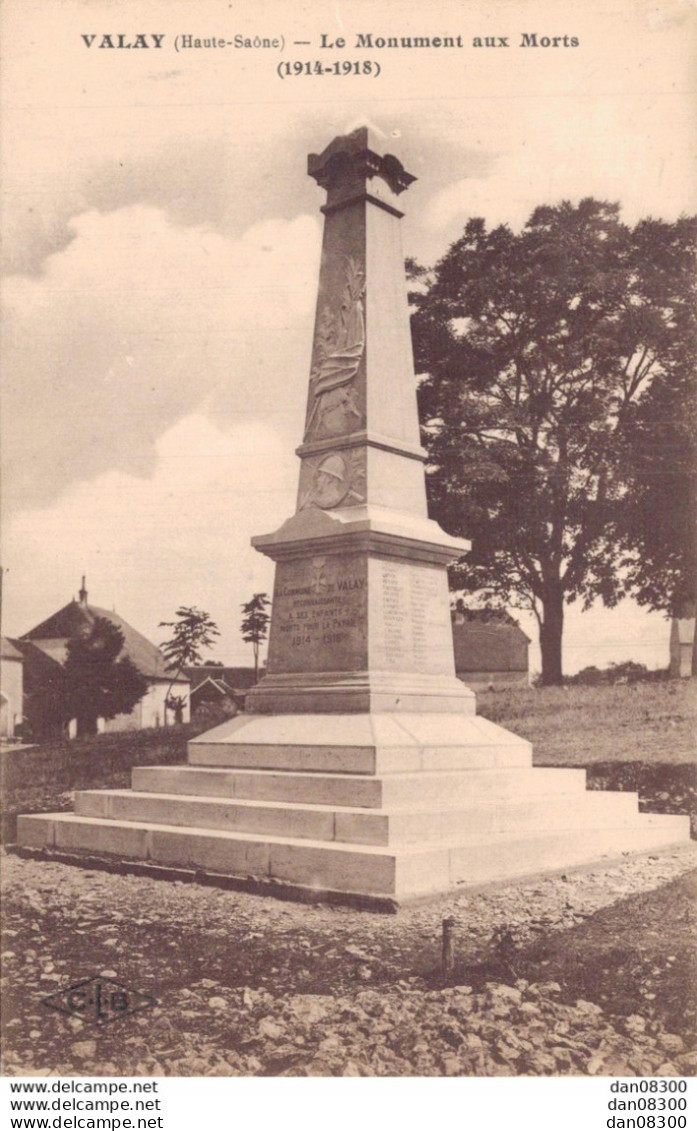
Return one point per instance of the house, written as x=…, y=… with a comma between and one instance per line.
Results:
x=44, y=649
x=490, y=648
x=11, y=688
x=213, y=685
x=682, y=645
x=42, y=690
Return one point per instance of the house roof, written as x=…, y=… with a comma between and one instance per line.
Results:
x=39, y=667
x=223, y=688
x=8, y=650
x=236, y=679
x=52, y=635
x=460, y=613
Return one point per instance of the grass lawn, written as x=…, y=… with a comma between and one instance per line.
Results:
x=654, y=723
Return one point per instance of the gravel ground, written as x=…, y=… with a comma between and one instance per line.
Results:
x=580, y=974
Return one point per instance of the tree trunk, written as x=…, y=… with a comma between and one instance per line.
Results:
x=86, y=726
x=551, y=631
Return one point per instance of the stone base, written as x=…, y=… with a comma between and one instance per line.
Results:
x=367, y=693
x=377, y=807
x=359, y=744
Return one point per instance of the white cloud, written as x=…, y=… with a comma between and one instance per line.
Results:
x=149, y=544
x=616, y=149
x=136, y=266
x=140, y=320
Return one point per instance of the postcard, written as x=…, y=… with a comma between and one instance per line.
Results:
x=309, y=309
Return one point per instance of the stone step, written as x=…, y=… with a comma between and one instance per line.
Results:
x=491, y=861
x=359, y=760
x=392, y=791
x=589, y=811
x=359, y=826
x=359, y=744
x=402, y=872
x=473, y=786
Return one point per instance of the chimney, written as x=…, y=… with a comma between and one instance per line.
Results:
x=83, y=592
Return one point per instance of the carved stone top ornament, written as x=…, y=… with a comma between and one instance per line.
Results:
x=357, y=157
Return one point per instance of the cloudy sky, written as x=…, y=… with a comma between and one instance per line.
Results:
x=161, y=245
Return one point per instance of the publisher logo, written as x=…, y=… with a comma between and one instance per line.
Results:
x=98, y=1000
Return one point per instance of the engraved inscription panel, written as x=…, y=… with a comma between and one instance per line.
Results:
x=409, y=619
x=320, y=615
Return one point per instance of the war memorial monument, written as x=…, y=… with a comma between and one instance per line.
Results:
x=360, y=770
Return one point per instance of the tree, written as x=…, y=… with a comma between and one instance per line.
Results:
x=193, y=631
x=97, y=683
x=255, y=624
x=657, y=525
x=536, y=349
x=657, y=522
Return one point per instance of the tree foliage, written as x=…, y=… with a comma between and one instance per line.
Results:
x=99, y=682
x=193, y=631
x=657, y=525
x=255, y=624
x=536, y=351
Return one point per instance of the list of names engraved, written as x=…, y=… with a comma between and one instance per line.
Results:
x=409, y=624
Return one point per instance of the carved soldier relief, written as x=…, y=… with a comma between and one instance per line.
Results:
x=335, y=478
x=339, y=348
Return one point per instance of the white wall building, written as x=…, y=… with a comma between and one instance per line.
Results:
x=51, y=639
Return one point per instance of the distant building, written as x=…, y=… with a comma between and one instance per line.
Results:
x=213, y=685
x=682, y=645
x=43, y=684
x=490, y=648
x=11, y=688
x=44, y=649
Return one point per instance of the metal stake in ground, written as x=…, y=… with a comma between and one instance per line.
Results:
x=448, y=948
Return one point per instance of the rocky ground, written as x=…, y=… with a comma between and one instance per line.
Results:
x=588, y=973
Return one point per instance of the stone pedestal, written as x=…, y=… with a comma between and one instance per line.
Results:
x=360, y=770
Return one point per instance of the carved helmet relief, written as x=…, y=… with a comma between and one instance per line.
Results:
x=339, y=348
x=335, y=478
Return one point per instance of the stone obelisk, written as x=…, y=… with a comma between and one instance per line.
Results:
x=360, y=616
x=360, y=769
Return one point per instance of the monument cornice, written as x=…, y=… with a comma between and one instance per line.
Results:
x=360, y=198
x=377, y=543
x=362, y=439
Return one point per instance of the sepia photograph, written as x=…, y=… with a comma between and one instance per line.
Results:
x=349, y=570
